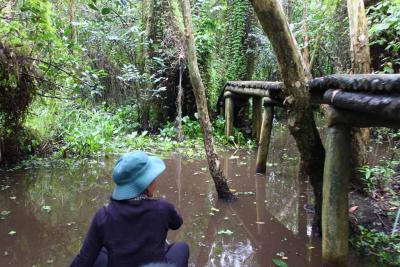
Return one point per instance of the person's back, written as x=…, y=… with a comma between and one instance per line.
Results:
x=135, y=230
x=132, y=229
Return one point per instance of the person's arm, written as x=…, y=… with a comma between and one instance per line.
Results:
x=175, y=220
x=91, y=246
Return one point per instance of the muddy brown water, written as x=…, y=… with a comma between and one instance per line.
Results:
x=46, y=211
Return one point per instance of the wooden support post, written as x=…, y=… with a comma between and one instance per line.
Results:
x=222, y=111
x=265, y=136
x=256, y=117
x=337, y=171
x=228, y=113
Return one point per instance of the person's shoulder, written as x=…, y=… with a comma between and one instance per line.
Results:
x=163, y=203
x=100, y=215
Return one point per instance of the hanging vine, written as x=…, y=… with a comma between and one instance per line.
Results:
x=237, y=42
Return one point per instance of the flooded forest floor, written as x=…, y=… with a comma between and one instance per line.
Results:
x=46, y=211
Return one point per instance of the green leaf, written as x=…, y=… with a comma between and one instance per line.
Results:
x=279, y=263
x=388, y=69
x=106, y=10
x=92, y=6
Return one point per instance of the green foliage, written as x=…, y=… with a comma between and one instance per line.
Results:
x=279, y=263
x=385, y=247
x=328, y=33
x=378, y=178
x=266, y=66
x=237, y=30
x=36, y=14
x=191, y=128
x=384, y=30
x=192, y=131
x=70, y=129
x=17, y=89
x=208, y=26
x=81, y=130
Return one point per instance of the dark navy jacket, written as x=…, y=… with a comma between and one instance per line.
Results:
x=132, y=231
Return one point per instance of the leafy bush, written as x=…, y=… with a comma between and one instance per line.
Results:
x=384, y=20
x=378, y=178
x=192, y=130
x=82, y=130
x=385, y=247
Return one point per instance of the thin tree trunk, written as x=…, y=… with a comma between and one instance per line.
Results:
x=295, y=75
x=341, y=58
x=71, y=17
x=306, y=50
x=315, y=51
x=360, y=64
x=179, y=102
x=251, y=45
x=289, y=10
x=144, y=102
x=201, y=103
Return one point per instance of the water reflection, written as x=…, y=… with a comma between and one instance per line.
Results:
x=265, y=220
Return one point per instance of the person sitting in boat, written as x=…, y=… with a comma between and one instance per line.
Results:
x=132, y=229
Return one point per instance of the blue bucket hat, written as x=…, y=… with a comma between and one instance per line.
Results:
x=134, y=172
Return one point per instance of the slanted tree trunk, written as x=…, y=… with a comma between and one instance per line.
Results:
x=295, y=75
x=214, y=164
x=360, y=64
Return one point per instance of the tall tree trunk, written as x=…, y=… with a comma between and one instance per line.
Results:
x=179, y=103
x=71, y=18
x=214, y=164
x=144, y=101
x=295, y=75
x=359, y=47
x=306, y=50
x=360, y=64
x=341, y=60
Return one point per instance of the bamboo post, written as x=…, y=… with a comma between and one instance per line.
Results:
x=265, y=136
x=337, y=171
x=256, y=117
x=228, y=114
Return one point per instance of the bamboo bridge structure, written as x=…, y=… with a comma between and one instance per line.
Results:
x=371, y=100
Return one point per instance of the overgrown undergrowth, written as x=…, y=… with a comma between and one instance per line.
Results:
x=379, y=234
x=66, y=129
